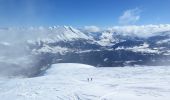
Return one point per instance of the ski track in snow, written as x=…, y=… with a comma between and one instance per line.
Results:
x=69, y=82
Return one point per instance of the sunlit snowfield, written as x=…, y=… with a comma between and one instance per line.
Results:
x=70, y=82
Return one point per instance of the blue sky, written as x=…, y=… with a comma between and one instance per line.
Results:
x=83, y=12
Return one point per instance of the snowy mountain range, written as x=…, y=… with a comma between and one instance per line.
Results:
x=103, y=48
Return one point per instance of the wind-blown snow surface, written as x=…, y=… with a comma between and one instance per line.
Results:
x=68, y=81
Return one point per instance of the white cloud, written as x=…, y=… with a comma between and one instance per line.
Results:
x=130, y=16
x=143, y=30
x=92, y=28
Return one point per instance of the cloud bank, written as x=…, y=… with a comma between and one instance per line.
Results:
x=15, y=58
x=142, y=31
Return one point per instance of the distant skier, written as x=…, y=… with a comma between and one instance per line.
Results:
x=88, y=79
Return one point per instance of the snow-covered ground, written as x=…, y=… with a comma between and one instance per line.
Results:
x=70, y=82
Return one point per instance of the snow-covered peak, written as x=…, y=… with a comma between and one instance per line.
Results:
x=64, y=33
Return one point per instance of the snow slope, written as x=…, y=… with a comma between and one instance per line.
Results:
x=69, y=82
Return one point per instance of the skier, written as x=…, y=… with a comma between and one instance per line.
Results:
x=88, y=79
